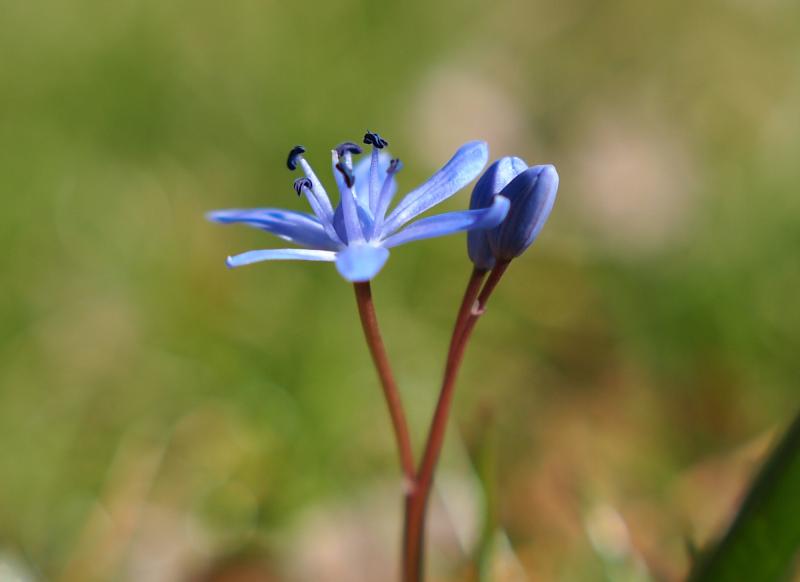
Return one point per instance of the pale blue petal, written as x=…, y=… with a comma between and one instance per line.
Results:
x=452, y=222
x=462, y=168
x=279, y=255
x=361, y=262
x=297, y=227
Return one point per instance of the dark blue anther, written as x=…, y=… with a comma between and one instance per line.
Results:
x=347, y=173
x=291, y=161
x=373, y=139
x=348, y=147
x=301, y=183
x=394, y=166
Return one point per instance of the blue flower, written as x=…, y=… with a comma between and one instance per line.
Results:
x=532, y=193
x=358, y=234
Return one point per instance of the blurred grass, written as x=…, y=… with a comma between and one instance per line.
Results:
x=649, y=335
x=762, y=542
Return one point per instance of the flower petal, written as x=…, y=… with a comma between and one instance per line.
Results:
x=279, y=255
x=361, y=262
x=462, y=168
x=297, y=227
x=452, y=222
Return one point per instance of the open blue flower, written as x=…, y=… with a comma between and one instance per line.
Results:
x=358, y=234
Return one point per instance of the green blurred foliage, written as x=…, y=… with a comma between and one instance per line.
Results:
x=649, y=334
x=762, y=542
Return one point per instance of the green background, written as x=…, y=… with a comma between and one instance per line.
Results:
x=159, y=413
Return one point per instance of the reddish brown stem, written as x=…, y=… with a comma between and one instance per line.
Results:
x=417, y=509
x=369, y=321
x=467, y=303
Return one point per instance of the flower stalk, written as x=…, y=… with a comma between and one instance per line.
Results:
x=372, y=334
x=473, y=305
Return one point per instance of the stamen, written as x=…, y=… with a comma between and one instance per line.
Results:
x=347, y=173
x=375, y=140
x=291, y=161
x=348, y=147
x=301, y=183
x=384, y=197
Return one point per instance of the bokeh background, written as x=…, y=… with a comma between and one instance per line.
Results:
x=164, y=419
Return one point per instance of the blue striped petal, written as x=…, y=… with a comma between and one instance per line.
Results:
x=279, y=255
x=297, y=227
x=452, y=222
x=462, y=168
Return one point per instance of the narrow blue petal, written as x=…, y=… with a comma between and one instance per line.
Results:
x=297, y=227
x=452, y=222
x=462, y=168
x=361, y=262
x=494, y=179
x=279, y=255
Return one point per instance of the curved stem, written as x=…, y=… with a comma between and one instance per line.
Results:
x=369, y=321
x=468, y=317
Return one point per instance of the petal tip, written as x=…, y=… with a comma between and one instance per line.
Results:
x=213, y=216
x=361, y=263
x=502, y=206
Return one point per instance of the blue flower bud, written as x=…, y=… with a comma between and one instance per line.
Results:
x=532, y=194
x=496, y=177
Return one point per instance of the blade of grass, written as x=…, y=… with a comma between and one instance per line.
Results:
x=482, y=448
x=764, y=538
